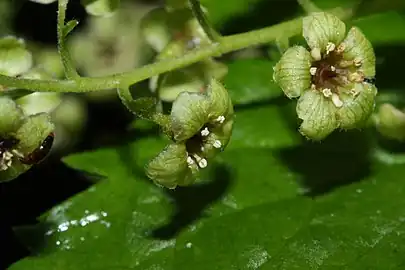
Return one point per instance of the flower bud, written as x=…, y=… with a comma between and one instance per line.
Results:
x=390, y=122
x=14, y=57
x=24, y=140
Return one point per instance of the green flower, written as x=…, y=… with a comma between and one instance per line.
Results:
x=24, y=140
x=331, y=79
x=200, y=127
x=172, y=33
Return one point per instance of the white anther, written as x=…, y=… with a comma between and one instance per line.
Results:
x=313, y=86
x=202, y=163
x=217, y=144
x=312, y=70
x=316, y=54
x=336, y=101
x=220, y=119
x=332, y=68
x=327, y=92
x=357, y=62
x=356, y=77
x=341, y=48
x=190, y=160
x=330, y=47
x=205, y=132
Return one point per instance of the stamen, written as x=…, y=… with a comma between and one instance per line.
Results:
x=327, y=92
x=202, y=163
x=357, y=62
x=330, y=47
x=336, y=100
x=312, y=70
x=205, y=132
x=332, y=68
x=356, y=77
x=313, y=86
x=220, y=119
x=217, y=144
x=341, y=48
x=316, y=54
x=190, y=160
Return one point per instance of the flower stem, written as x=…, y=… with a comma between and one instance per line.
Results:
x=224, y=45
x=203, y=21
x=66, y=59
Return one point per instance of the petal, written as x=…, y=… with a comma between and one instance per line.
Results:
x=33, y=132
x=170, y=167
x=318, y=115
x=292, y=71
x=11, y=116
x=189, y=114
x=319, y=28
x=13, y=171
x=358, y=46
x=219, y=100
x=356, y=111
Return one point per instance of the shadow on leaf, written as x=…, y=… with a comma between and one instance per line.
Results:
x=191, y=202
x=341, y=159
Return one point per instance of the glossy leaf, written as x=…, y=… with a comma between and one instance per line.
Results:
x=251, y=80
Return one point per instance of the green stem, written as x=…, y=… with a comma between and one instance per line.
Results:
x=225, y=45
x=66, y=59
x=203, y=21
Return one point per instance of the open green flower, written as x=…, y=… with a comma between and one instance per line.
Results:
x=24, y=140
x=200, y=127
x=331, y=79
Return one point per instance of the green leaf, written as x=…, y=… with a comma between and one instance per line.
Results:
x=262, y=127
x=121, y=209
x=251, y=80
x=357, y=227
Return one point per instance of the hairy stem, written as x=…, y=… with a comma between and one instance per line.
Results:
x=224, y=45
x=70, y=71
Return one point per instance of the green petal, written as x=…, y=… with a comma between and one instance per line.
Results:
x=320, y=28
x=356, y=111
x=33, y=132
x=16, y=169
x=358, y=46
x=318, y=115
x=14, y=57
x=170, y=167
x=11, y=117
x=219, y=100
x=189, y=114
x=292, y=71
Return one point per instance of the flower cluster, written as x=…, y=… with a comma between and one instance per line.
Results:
x=200, y=127
x=172, y=32
x=332, y=79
